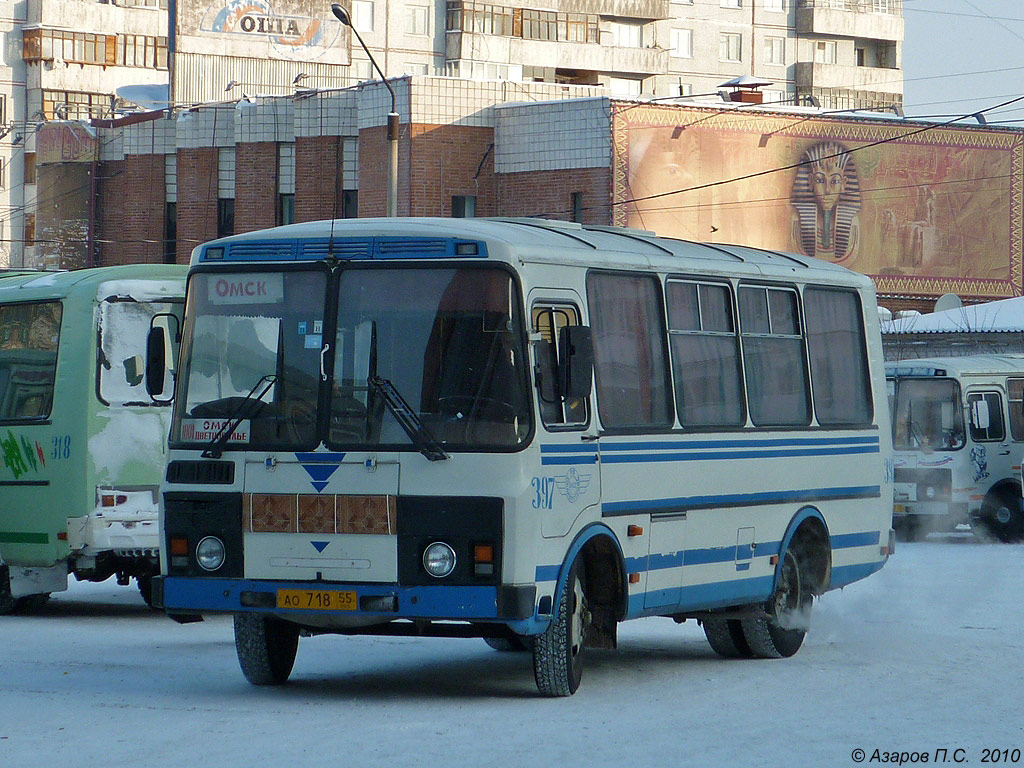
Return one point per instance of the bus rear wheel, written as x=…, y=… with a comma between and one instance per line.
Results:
x=726, y=637
x=781, y=632
x=266, y=648
x=558, y=653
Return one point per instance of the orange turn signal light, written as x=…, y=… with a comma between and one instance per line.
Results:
x=179, y=546
x=634, y=530
x=483, y=553
x=634, y=578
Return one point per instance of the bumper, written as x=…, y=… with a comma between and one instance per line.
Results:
x=377, y=601
x=955, y=511
x=93, y=534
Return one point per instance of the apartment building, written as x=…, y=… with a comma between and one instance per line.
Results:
x=67, y=59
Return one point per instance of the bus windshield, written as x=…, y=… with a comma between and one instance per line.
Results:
x=252, y=348
x=448, y=340
x=928, y=416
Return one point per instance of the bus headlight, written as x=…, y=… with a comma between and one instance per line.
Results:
x=210, y=553
x=930, y=492
x=439, y=559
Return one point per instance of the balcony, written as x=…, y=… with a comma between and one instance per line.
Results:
x=813, y=75
x=850, y=18
x=557, y=54
x=625, y=9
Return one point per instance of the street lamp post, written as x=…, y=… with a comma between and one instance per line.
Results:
x=392, y=200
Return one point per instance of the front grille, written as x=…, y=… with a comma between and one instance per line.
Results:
x=201, y=472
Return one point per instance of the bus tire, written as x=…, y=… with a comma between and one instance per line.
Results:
x=1001, y=515
x=145, y=584
x=781, y=633
x=726, y=637
x=558, y=653
x=266, y=648
x=10, y=604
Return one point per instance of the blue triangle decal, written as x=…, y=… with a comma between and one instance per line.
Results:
x=319, y=486
x=320, y=545
x=320, y=472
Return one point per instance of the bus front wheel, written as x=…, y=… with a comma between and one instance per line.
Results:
x=558, y=653
x=781, y=632
x=266, y=648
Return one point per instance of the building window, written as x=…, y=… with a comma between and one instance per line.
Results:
x=75, y=105
x=285, y=209
x=350, y=204
x=225, y=216
x=775, y=5
x=30, y=167
x=732, y=3
x=881, y=6
x=775, y=50
x=730, y=46
x=170, y=233
x=576, y=201
x=540, y=25
x=685, y=89
x=530, y=24
x=30, y=229
x=625, y=87
x=626, y=35
x=681, y=43
x=463, y=206
x=141, y=51
x=825, y=52
x=419, y=19
x=362, y=15
x=416, y=68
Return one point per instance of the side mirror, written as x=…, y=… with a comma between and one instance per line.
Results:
x=575, y=361
x=156, y=360
x=980, y=416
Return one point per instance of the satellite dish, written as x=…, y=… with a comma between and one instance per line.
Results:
x=147, y=96
x=948, y=301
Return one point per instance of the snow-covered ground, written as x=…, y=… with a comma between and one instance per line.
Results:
x=925, y=655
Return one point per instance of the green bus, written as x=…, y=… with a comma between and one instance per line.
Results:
x=82, y=428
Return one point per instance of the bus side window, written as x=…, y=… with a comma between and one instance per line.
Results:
x=548, y=320
x=29, y=337
x=1015, y=401
x=993, y=404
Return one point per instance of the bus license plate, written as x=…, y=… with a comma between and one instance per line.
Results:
x=899, y=509
x=317, y=600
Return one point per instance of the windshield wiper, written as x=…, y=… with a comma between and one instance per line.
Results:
x=216, y=447
x=408, y=420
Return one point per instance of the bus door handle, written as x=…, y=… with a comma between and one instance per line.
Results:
x=589, y=438
x=323, y=353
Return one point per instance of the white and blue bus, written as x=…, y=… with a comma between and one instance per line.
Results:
x=521, y=430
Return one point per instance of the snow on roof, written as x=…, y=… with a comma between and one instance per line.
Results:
x=1004, y=316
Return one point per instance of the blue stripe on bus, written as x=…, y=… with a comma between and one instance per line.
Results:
x=848, y=540
x=738, y=443
x=713, y=555
x=709, y=444
x=616, y=508
x=643, y=458
x=847, y=574
x=561, y=460
x=700, y=597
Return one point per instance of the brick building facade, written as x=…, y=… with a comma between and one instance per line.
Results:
x=168, y=184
